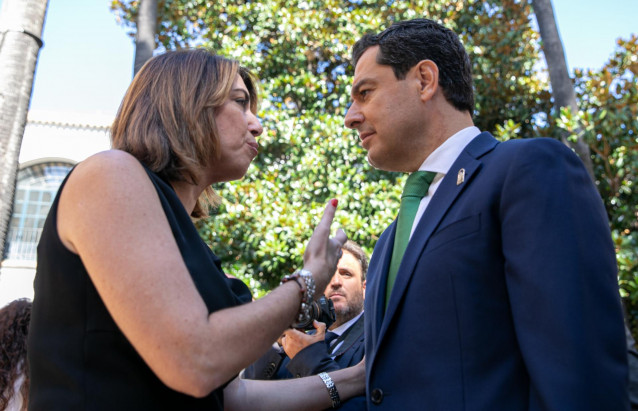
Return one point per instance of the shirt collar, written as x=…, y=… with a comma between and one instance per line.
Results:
x=343, y=327
x=441, y=159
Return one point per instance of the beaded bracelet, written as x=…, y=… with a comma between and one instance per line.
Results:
x=295, y=276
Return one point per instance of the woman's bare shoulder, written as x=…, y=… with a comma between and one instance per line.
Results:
x=112, y=172
x=110, y=163
x=105, y=189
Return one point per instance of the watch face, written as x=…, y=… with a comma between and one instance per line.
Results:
x=304, y=273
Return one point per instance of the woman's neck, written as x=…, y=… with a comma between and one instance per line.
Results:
x=187, y=193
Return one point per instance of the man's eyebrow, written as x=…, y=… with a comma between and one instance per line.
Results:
x=359, y=84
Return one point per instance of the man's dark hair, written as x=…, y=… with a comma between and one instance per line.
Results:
x=405, y=43
x=358, y=253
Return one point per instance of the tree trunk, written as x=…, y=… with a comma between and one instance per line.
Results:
x=562, y=87
x=145, y=38
x=21, y=24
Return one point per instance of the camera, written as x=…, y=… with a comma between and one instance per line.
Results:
x=321, y=310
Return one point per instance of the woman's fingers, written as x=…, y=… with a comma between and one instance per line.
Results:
x=322, y=252
x=340, y=237
x=326, y=221
x=323, y=228
x=321, y=235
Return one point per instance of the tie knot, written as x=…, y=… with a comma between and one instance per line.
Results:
x=417, y=184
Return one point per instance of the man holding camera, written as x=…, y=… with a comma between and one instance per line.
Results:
x=342, y=346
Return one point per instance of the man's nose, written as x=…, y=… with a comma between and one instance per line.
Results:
x=353, y=116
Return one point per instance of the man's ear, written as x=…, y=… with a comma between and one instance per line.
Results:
x=364, y=285
x=427, y=73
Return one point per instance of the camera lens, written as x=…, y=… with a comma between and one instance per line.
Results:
x=321, y=310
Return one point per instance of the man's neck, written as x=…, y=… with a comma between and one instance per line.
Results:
x=446, y=122
x=339, y=328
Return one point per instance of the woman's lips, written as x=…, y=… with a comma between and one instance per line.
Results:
x=255, y=147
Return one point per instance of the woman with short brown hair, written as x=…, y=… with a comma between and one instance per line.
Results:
x=132, y=309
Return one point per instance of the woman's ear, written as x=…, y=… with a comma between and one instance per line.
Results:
x=427, y=73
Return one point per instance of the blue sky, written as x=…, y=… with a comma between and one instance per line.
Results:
x=87, y=59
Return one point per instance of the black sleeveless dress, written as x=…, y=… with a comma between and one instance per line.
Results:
x=78, y=357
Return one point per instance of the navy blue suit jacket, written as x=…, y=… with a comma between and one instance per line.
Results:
x=275, y=364
x=507, y=296
x=315, y=358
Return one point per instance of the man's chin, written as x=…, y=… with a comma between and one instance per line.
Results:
x=371, y=161
x=341, y=309
x=381, y=164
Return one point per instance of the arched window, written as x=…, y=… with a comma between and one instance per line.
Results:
x=36, y=188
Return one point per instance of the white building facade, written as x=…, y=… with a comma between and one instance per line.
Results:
x=52, y=144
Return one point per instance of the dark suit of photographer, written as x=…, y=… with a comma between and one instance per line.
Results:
x=313, y=359
x=302, y=354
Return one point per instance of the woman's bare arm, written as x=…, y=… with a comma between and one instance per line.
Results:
x=110, y=215
x=308, y=393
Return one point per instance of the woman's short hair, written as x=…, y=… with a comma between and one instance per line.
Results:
x=167, y=117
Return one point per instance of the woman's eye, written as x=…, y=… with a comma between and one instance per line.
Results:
x=243, y=102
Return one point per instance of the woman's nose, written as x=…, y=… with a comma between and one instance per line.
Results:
x=254, y=125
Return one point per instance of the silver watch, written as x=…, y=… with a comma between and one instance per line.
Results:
x=332, y=389
x=306, y=301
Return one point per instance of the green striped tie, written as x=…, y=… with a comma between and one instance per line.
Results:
x=416, y=187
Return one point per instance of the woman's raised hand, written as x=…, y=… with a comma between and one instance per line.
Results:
x=323, y=252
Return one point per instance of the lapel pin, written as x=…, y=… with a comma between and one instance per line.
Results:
x=460, y=177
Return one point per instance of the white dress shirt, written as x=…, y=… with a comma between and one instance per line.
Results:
x=341, y=329
x=440, y=161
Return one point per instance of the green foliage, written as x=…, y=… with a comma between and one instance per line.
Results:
x=300, y=50
x=609, y=115
x=505, y=53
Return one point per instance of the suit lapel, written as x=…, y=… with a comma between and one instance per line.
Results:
x=445, y=196
x=350, y=336
x=376, y=281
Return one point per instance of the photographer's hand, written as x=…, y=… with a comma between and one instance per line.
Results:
x=294, y=341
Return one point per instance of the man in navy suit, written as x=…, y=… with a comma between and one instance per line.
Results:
x=303, y=354
x=506, y=297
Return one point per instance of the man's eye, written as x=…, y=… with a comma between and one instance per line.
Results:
x=364, y=92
